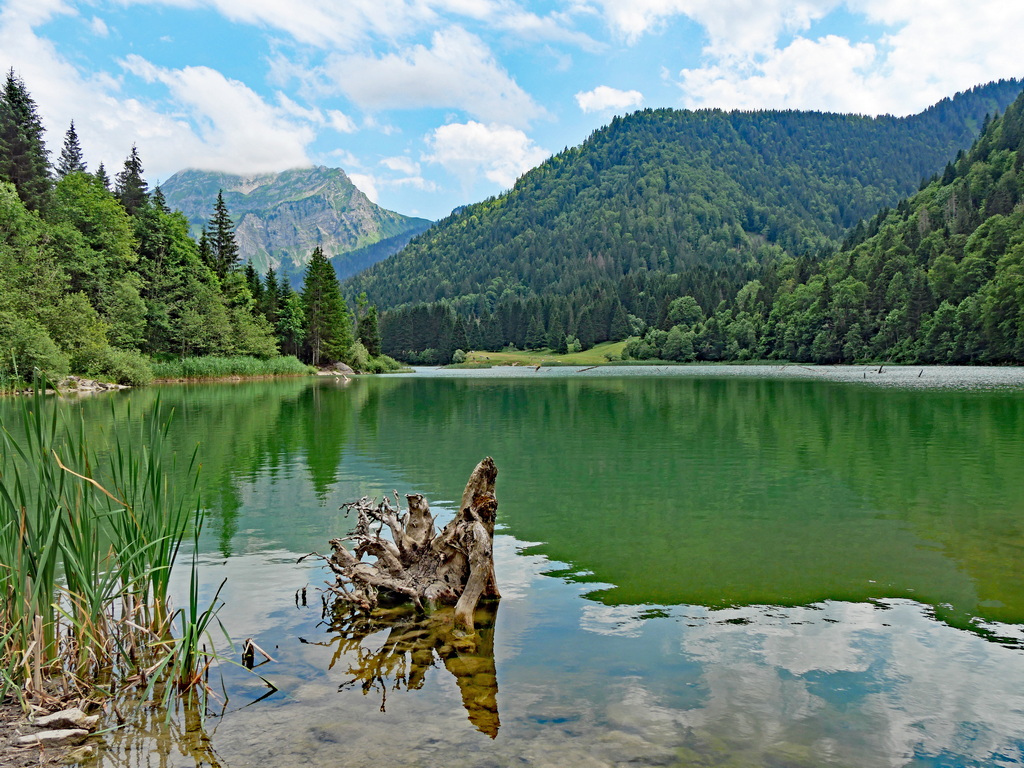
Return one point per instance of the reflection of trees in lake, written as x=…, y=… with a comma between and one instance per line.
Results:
x=414, y=644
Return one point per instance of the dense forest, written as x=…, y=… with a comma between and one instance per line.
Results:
x=99, y=277
x=725, y=263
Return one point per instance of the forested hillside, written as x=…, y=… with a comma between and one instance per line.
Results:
x=597, y=242
x=664, y=190
x=938, y=279
x=100, y=277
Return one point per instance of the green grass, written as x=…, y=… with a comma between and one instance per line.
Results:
x=87, y=544
x=596, y=355
x=228, y=367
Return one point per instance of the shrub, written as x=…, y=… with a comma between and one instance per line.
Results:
x=125, y=366
x=24, y=346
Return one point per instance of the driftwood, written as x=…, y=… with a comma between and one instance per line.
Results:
x=455, y=566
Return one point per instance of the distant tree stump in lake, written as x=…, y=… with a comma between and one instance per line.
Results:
x=453, y=567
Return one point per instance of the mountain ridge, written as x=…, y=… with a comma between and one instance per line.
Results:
x=280, y=217
x=666, y=190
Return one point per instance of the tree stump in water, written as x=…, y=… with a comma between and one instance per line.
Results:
x=455, y=566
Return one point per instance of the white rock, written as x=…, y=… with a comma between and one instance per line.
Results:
x=61, y=738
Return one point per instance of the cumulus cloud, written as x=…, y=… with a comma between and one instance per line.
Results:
x=456, y=71
x=367, y=184
x=236, y=130
x=733, y=26
x=321, y=23
x=899, y=73
x=603, y=97
x=402, y=164
x=501, y=153
x=764, y=53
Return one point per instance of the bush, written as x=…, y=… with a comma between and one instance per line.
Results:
x=124, y=366
x=24, y=346
x=458, y=356
x=362, y=361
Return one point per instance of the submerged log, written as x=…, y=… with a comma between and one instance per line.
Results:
x=453, y=567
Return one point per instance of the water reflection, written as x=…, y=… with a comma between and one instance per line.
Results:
x=413, y=645
x=154, y=739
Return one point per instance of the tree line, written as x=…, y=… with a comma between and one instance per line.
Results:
x=100, y=277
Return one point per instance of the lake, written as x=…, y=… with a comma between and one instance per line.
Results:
x=700, y=566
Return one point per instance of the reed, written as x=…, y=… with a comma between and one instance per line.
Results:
x=87, y=545
x=227, y=367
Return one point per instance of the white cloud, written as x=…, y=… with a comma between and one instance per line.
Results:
x=401, y=164
x=321, y=23
x=367, y=184
x=501, y=153
x=235, y=129
x=347, y=25
x=900, y=73
x=603, y=97
x=346, y=158
x=733, y=27
x=340, y=122
x=99, y=27
x=456, y=71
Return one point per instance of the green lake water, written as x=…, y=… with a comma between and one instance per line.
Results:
x=699, y=567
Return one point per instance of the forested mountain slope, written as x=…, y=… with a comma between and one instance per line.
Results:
x=281, y=217
x=940, y=279
x=669, y=190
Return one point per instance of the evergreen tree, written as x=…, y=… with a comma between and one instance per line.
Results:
x=535, y=337
x=71, y=160
x=328, y=324
x=255, y=286
x=221, y=237
x=101, y=176
x=159, y=201
x=291, y=323
x=369, y=332
x=24, y=159
x=129, y=186
x=271, y=296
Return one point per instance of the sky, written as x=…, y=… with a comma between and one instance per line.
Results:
x=433, y=104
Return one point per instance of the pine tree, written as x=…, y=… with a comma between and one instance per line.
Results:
x=328, y=324
x=24, y=159
x=291, y=323
x=129, y=186
x=271, y=296
x=101, y=175
x=159, y=201
x=369, y=331
x=71, y=160
x=255, y=285
x=221, y=236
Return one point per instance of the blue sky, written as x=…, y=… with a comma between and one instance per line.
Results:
x=431, y=104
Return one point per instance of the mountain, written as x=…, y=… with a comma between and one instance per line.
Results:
x=939, y=279
x=672, y=191
x=281, y=217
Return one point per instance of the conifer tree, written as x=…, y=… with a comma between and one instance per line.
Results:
x=24, y=159
x=328, y=323
x=129, y=186
x=367, y=325
x=271, y=296
x=221, y=237
x=159, y=201
x=71, y=160
x=101, y=175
